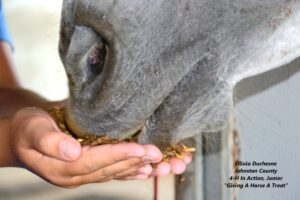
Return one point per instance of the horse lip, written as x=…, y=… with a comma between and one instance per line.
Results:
x=74, y=129
x=81, y=133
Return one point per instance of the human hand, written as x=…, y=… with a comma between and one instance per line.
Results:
x=41, y=147
x=174, y=166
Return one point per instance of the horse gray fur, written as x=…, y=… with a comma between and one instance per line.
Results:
x=170, y=65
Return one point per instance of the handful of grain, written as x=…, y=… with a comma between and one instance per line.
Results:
x=93, y=140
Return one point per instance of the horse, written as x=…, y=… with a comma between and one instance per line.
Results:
x=167, y=68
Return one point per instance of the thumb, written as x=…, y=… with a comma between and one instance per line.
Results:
x=57, y=145
x=45, y=137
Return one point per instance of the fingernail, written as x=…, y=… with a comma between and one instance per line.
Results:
x=151, y=157
x=188, y=159
x=148, y=159
x=163, y=169
x=146, y=170
x=68, y=150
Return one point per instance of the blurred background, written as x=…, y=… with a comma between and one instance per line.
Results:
x=267, y=110
x=34, y=26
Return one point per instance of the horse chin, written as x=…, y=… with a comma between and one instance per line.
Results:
x=74, y=128
x=80, y=132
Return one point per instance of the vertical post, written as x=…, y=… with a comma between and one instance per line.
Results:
x=212, y=165
x=190, y=184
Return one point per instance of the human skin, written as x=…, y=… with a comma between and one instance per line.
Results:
x=30, y=139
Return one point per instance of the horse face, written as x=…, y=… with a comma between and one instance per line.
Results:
x=167, y=67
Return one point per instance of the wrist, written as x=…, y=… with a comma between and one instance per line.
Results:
x=7, y=157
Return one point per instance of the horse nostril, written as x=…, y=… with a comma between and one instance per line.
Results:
x=96, y=60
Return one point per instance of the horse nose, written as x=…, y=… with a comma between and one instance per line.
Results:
x=95, y=60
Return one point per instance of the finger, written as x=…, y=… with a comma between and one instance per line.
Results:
x=44, y=167
x=56, y=145
x=128, y=172
x=53, y=143
x=162, y=169
x=153, y=154
x=110, y=172
x=144, y=171
x=95, y=158
x=147, y=170
x=187, y=157
x=178, y=166
x=137, y=177
x=32, y=112
x=141, y=169
x=42, y=134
